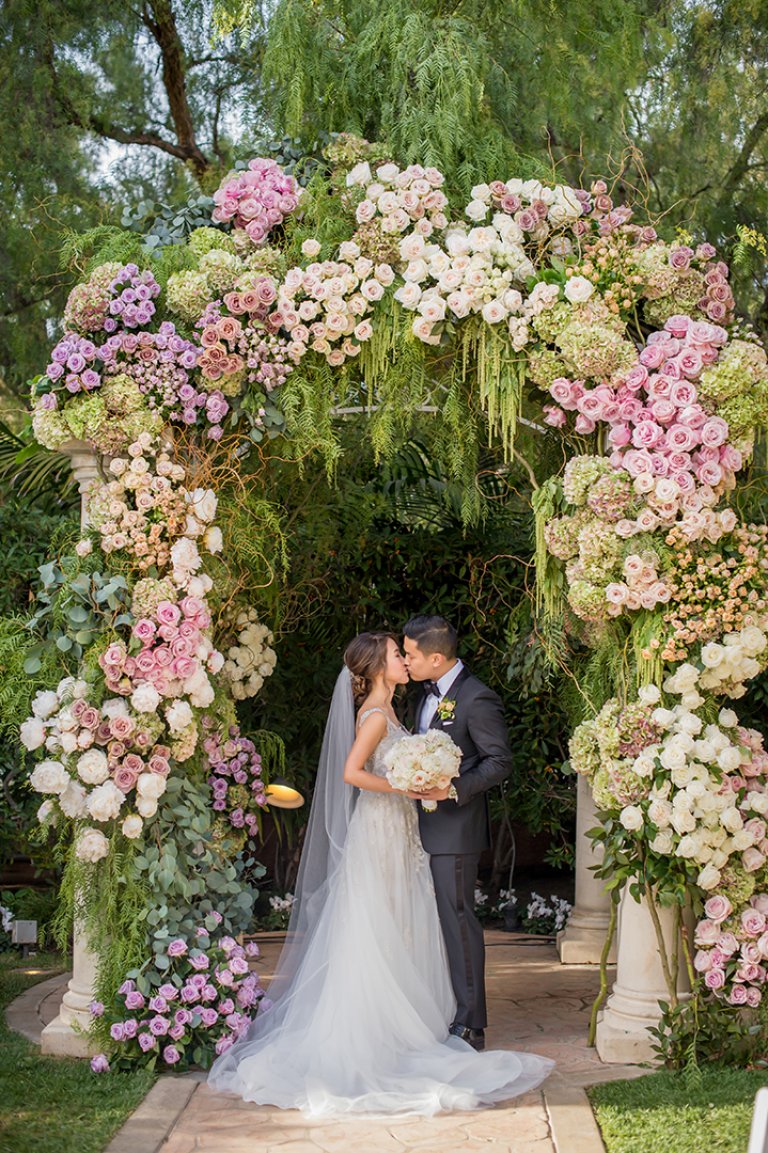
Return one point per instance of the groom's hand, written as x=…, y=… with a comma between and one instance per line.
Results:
x=432, y=794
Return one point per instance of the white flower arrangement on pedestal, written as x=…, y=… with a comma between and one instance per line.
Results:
x=251, y=659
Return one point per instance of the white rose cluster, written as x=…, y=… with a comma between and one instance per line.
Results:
x=708, y=802
x=422, y=762
x=475, y=270
x=728, y=666
x=400, y=199
x=251, y=659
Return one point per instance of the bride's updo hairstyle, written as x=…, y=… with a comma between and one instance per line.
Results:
x=365, y=657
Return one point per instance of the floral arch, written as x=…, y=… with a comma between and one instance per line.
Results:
x=181, y=363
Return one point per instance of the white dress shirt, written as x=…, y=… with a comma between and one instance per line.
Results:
x=429, y=708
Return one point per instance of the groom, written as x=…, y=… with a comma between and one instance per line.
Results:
x=457, y=832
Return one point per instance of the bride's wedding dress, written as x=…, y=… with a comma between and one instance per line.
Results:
x=362, y=1025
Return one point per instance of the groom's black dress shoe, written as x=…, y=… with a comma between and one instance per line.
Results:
x=473, y=1037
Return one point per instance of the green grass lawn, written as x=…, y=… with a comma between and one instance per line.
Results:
x=663, y=1113
x=52, y=1104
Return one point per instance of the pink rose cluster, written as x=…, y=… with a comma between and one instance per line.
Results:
x=201, y=1004
x=732, y=953
x=235, y=350
x=326, y=306
x=169, y=658
x=257, y=199
x=235, y=780
x=641, y=588
x=400, y=200
x=677, y=454
x=718, y=302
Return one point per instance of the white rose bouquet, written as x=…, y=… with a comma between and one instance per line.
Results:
x=426, y=761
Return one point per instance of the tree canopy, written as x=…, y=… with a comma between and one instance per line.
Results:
x=113, y=104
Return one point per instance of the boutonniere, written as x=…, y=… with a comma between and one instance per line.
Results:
x=445, y=709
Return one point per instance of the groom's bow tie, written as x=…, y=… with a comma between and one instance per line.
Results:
x=430, y=687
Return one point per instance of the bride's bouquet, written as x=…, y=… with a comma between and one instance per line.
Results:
x=421, y=762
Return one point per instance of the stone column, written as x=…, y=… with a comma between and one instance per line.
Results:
x=581, y=941
x=633, y=1006
x=66, y=1035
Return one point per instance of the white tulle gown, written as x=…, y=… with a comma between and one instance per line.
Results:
x=363, y=1025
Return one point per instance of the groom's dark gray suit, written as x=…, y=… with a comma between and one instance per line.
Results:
x=456, y=833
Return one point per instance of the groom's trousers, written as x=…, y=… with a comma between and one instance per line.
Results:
x=455, y=877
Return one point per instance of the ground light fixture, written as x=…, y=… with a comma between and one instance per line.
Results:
x=282, y=795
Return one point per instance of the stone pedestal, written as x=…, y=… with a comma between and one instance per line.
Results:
x=66, y=1035
x=581, y=942
x=633, y=1006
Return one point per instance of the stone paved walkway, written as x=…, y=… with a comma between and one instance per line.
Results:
x=535, y=1004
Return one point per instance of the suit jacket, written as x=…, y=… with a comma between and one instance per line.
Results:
x=478, y=727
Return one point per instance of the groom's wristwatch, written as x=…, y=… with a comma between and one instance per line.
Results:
x=453, y=795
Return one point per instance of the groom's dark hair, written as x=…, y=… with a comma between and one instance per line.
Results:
x=432, y=634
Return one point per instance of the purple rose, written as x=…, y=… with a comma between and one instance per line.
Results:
x=134, y=1000
x=159, y=1026
x=171, y=1055
x=158, y=1004
x=209, y=1017
x=130, y=1028
x=170, y=992
x=176, y=1032
x=127, y=987
x=99, y=1063
x=96, y=1009
x=117, y=1031
x=182, y=1017
x=147, y=1042
x=189, y=994
x=199, y=961
x=177, y=947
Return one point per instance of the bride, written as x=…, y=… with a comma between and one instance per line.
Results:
x=362, y=995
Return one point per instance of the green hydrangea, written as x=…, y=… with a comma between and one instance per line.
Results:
x=116, y=433
x=601, y=789
x=736, y=884
x=88, y=303
x=202, y=240
x=84, y=415
x=551, y=321
x=188, y=294
x=600, y=551
x=122, y=395
x=544, y=367
x=581, y=474
x=562, y=534
x=148, y=593
x=684, y=296
x=265, y=261
x=49, y=428
x=594, y=350
x=583, y=750
x=221, y=269
x=588, y=601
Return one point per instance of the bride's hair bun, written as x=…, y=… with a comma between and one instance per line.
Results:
x=365, y=657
